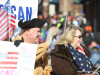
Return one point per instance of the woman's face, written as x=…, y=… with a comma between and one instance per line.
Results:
x=77, y=39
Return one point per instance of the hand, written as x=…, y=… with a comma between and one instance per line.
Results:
x=49, y=36
x=47, y=70
x=52, y=31
x=56, y=31
x=17, y=42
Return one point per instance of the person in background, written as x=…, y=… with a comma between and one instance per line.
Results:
x=12, y=35
x=30, y=32
x=75, y=22
x=70, y=56
x=60, y=32
x=83, y=20
x=95, y=53
x=94, y=44
x=87, y=38
x=95, y=57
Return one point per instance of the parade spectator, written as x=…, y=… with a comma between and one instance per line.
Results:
x=82, y=18
x=12, y=35
x=70, y=55
x=75, y=22
x=83, y=21
x=30, y=32
x=94, y=44
x=87, y=38
x=94, y=55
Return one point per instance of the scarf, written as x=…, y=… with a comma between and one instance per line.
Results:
x=80, y=58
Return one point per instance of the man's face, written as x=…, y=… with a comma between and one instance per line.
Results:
x=33, y=35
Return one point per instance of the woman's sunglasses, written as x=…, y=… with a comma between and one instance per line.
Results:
x=80, y=36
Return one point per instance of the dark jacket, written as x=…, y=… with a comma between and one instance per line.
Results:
x=63, y=63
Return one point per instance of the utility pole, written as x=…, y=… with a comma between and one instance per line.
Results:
x=64, y=9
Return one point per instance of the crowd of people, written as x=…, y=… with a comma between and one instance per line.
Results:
x=60, y=51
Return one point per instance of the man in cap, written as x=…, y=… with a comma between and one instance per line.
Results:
x=30, y=31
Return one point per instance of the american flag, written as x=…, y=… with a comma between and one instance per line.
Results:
x=9, y=60
x=80, y=58
x=7, y=21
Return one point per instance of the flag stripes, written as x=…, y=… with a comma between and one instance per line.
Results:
x=7, y=21
x=11, y=62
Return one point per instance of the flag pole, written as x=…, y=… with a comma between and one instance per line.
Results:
x=9, y=19
x=65, y=23
x=9, y=31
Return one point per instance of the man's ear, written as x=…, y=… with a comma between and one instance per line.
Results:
x=27, y=32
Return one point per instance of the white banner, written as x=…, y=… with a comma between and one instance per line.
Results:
x=22, y=9
x=17, y=60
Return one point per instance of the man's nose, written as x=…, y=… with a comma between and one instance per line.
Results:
x=39, y=34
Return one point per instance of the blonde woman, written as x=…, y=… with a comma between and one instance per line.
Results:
x=70, y=57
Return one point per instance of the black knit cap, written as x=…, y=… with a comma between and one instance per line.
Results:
x=31, y=23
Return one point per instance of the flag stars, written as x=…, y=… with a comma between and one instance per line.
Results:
x=87, y=65
x=74, y=58
x=81, y=64
x=80, y=59
x=83, y=70
x=89, y=62
x=90, y=67
x=72, y=53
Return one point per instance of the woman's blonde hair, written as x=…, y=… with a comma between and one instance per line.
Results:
x=68, y=35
